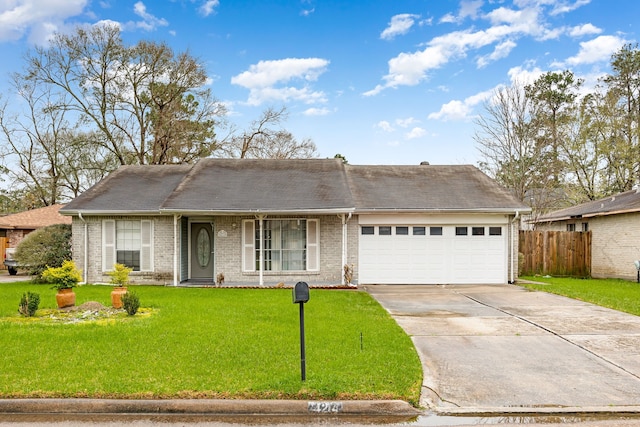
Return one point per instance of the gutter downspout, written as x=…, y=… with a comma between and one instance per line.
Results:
x=85, y=256
x=512, y=247
x=175, y=249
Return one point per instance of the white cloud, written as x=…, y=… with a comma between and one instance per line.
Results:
x=208, y=7
x=507, y=25
x=262, y=78
x=524, y=76
x=149, y=22
x=414, y=133
x=460, y=110
x=385, y=126
x=307, y=12
x=405, y=123
x=599, y=49
x=565, y=6
x=583, y=30
x=37, y=19
x=468, y=9
x=501, y=50
x=317, y=112
x=399, y=25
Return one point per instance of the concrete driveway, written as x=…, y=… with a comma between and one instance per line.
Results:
x=501, y=349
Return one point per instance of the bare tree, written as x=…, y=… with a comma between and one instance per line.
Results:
x=265, y=139
x=506, y=141
x=130, y=94
x=45, y=157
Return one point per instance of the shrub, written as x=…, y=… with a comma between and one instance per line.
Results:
x=63, y=277
x=46, y=247
x=29, y=304
x=131, y=302
x=120, y=274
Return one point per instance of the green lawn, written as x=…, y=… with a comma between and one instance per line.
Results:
x=209, y=343
x=618, y=294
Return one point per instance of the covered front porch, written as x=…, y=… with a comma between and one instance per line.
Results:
x=274, y=250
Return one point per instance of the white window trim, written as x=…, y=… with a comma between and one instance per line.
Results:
x=249, y=249
x=109, y=256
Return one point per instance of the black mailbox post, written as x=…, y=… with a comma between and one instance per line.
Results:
x=301, y=296
x=300, y=293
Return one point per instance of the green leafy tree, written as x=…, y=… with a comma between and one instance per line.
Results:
x=623, y=86
x=553, y=97
x=45, y=247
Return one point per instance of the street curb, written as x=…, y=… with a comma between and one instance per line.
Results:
x=207, y=407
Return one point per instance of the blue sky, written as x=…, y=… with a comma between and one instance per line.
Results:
x=379, y=81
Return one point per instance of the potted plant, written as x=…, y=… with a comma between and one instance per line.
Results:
x=64, y=279
x=119, y=278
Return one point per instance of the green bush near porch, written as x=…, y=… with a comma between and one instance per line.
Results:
x=209, y=343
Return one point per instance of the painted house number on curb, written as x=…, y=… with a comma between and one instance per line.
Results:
x=325, y=407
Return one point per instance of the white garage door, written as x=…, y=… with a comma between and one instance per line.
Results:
x=448, y=254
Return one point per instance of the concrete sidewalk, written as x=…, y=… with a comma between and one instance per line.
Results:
x=501, y=349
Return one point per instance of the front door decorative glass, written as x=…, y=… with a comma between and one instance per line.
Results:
x=203, y=248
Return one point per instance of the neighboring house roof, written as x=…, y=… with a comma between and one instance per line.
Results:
x=34, y=218
x=626, y=202
x=231, y=186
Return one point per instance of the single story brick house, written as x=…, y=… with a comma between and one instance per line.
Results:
x=264, y=222
x=614, y=223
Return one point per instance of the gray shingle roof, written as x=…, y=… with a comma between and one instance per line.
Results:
x=250, y=185
x=315, y=185
x=428, y=187
x=130, y=189
x=626, y=202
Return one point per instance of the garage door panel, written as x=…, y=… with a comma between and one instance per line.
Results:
x=426, y=259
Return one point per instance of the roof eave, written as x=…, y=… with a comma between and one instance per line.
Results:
x=514, y=211
x=237, y=212
x=587, y=215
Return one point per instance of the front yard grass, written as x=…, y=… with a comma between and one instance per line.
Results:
x=617, y=294
x=209, y=343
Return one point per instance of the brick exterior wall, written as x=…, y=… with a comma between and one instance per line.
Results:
x=162, y=250
x=227, y=231
x=615, y=243
x=14, y=237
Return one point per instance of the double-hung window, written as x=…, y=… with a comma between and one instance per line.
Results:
x=285, y=244
x=127, y=242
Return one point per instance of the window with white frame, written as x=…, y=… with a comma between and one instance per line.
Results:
x=286, y=245
x=127, y=242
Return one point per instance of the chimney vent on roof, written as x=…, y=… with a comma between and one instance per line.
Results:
x=424, y=163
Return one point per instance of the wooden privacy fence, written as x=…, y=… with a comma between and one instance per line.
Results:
x=3, y=246
x=556, y=253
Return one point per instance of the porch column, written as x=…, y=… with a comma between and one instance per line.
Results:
x=345, y=245
x=261, y=240
x=343, y=217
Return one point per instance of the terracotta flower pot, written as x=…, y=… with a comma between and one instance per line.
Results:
x=66, y=298
x=116, y=296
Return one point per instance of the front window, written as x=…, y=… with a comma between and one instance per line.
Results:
x=285, y=245
x=128, y=244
